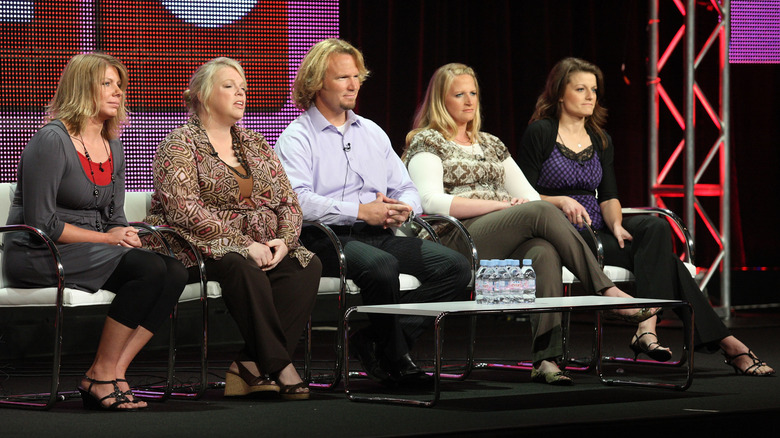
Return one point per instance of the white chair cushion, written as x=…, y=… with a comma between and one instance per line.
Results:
x=137, y=204
x=192, y=291
x=617, y=274
x=328, y=286
x=11, y=296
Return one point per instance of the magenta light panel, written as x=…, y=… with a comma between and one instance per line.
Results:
x=161, y=43
x=755, y=31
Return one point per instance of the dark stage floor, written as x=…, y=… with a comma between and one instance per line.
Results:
x=491, y=402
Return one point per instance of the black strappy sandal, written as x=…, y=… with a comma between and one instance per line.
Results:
x=92, y=402
x=752, y=370
x=129, y=393
x=659, y=353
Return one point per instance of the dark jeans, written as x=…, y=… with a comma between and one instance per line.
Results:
x=375, y=257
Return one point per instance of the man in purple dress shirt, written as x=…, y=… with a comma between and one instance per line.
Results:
x=347, y=175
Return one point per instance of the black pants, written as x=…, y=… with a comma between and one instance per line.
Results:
x=147, y=287
x=375, y=257
x=271, y=308
x=660, y=274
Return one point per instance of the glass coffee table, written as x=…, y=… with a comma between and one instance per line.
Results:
x=440, y=311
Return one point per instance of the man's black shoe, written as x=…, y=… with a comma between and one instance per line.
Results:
x=365, y=350
x=405, y=371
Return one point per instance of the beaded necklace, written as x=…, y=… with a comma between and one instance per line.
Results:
x=238, y=150
x=94, y=184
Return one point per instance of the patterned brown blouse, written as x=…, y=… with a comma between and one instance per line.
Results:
x=465, y=175
x=197, y=195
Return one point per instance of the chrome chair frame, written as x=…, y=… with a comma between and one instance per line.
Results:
x=689, y=252
x=45, y=401
x=178, y=392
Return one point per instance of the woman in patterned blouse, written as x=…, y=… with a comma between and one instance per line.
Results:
x=223, y=188
x=470, y=175
x=568, y=157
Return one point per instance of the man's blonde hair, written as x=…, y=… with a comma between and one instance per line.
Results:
x=311, y=73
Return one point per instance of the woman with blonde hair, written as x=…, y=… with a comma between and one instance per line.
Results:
x=469, y=174
x=71, y=185
x=223, y=189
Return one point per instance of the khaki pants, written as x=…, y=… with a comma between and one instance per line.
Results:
x=539, y=231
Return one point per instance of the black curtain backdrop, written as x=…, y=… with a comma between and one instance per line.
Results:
x=512, y=44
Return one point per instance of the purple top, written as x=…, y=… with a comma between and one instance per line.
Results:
x=566, y=170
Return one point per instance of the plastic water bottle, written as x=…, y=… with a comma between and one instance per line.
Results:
x=484, y=282
x=491, y=289
x=480, y=282
x=502, y=283
x=515, y=282
x=529, y=282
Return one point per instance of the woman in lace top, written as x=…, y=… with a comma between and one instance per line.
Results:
x=568, y=157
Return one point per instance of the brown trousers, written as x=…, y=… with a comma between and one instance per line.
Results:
x=539, y=231
x=271, y=308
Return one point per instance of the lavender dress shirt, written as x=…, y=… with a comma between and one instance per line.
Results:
x=333, y=173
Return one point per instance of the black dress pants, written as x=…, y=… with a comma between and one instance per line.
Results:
x=271, y=308
x=661, y=274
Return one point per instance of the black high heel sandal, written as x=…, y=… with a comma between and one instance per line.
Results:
x=658, y=353
x=91, y=401
x=752, y=370
x=129, y=393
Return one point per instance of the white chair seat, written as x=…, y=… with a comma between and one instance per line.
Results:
x=47, y=296
x=616, y=274
x=328, y=286
x=192, y=291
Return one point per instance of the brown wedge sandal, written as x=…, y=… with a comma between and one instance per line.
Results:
x=244, y=382
x=290, y=392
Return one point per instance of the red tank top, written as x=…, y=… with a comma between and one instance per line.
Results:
x=101, y=178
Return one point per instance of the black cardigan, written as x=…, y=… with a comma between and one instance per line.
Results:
x=538, y=143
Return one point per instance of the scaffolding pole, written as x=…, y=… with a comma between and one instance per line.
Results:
x=693, y=188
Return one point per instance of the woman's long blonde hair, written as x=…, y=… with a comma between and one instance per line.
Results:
x=77, y=98
x=433, y=114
